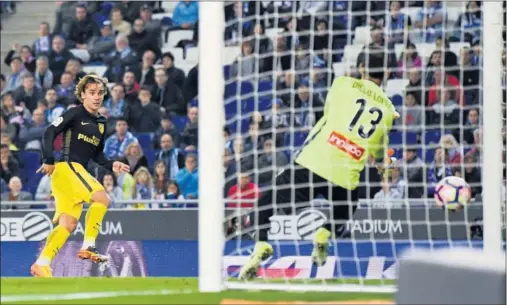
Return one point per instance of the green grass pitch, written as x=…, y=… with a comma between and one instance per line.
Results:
x=147, y=291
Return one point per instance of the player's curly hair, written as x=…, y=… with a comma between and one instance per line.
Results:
x=90, y=78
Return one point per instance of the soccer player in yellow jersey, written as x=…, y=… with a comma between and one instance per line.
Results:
x=83, y=131
x=357, y=118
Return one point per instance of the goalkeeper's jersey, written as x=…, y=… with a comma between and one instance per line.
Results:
x=357, y=119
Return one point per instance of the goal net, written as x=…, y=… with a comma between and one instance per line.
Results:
x=281, y=58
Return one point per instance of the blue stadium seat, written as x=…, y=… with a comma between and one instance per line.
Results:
x=430, y=155
x=239, y=126
x=298, y=137
x=265, y=86
x=32, y=183
x=432, y=136
x=231, y=109
x=232, y=89
x=248, y=106
x=397, y=100
x=227, y=71
x=145, y=140
x=395, y=138
x=179, y=122
x=194, y=103
x=31, y=162
x=149, y=153
x=265, y=104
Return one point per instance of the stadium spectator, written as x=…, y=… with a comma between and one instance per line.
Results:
x=101, y=45
x=130, y=9
x=144, y=71
x=160, y=179
x=415, y=173
x=58, y=58
x=412, y=113
x=82, y=29
x=115, y=104
x=453, y=149
x=119, y=25
x=9, y=166
x=166, y=127
x=268, y=161
x=446, y=112
x=189, y=136
x=17, y=74
x=131, y=86
x=238, y=26
x=171, y=156
x=186, y=14
x=244, y=189
x=134, y=157
x=188, y=178
x=468, y=25
x=2, y=82
x=31, y=133
x=28, y=93
x=262, y=46
x=246, y=65
x=286, y=87
x=65, y=90
x=116, y=145
x=444, y=80
x=308, y=107
x=472, y=174
x=143, y=115
x=471, y=125
x=254, y=140
x=53, y=109
x=13, y=114
x=305, y=60
x=44, y=189
x=438, y=169
x=43, y=75
x=16, y=194
x=73, y=67
x=397, y=23
x=416, y=86
x=398, y=182
x=387, y=192
x=42, y=45
x=241, y=159
x=167, y=95
x=143, y=188
x=229, y=171
x=430, y=21
x=173, y=191
x=174, y=74
x=476, y=151
x=191, y=85
x=113, y=190
x=5, y=139
x=408, y=59
x=150, y=24
x=119, y=59
x=141, y=40
x=321, y=39
x=25, y=54
x=277, y=118
x=450, y=60
x=125, y=182
x=470, y=76
x=6, y=128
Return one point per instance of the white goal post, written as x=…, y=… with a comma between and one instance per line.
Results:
x=213, y=270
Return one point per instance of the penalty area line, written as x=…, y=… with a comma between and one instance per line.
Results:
x=88, y=295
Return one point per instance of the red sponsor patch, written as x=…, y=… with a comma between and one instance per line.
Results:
x=345, y=145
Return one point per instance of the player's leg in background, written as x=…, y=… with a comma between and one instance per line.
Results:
x=66, y=218
x=292, y=186
x=99, y=203
x=343, y=205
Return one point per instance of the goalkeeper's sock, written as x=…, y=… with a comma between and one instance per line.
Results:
x=93, y=222
x=54, y=243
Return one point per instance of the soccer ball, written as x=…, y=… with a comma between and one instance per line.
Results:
x=452, y=193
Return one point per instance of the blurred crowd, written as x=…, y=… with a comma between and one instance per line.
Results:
x=288, y=54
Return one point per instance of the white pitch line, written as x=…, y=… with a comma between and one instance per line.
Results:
x=87, y=295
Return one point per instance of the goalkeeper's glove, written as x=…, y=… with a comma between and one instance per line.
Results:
x=384, y=165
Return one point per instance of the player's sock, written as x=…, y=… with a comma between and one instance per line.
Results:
x=94, y=218
x=54, y=243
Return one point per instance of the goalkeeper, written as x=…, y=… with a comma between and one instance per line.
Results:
x=357, y=119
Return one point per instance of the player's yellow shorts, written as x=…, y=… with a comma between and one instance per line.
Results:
x=72, y=185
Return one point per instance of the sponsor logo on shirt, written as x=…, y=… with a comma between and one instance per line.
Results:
x=345, y=145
